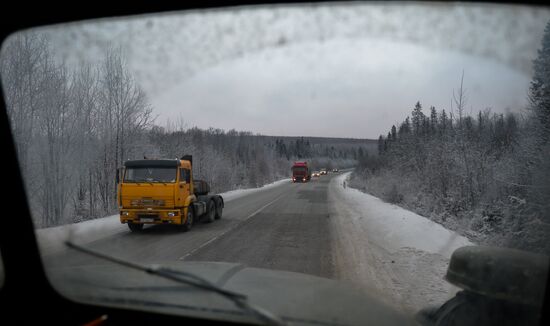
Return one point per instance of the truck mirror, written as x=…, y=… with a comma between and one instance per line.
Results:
x=118, y=175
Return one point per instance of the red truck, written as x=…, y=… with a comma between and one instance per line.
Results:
x=300, y=172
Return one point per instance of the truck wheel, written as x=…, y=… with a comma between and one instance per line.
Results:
x=189, y=221
x=219, y=209
x=210, y=212
x=135, y=227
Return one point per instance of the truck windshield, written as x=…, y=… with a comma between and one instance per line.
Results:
x=150, y=174
x=299, y=169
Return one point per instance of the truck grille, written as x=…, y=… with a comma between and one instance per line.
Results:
x=148, y=202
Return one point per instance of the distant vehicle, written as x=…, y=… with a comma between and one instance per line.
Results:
x=300, y=172
x=315, y=174
x=323, y=171
x=335, y=170
x=164, y=192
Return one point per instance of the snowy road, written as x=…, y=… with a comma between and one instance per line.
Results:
x=317, y=228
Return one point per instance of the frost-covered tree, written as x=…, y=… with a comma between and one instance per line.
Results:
x=539, y=91
x=405, y=127
x=21, y=66
x=489, y=172
x=380, y=145
x=433, y=120
x=417, y=119
x=124, y=113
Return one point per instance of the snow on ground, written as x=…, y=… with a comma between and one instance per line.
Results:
x=233, y=194
x=52, y=239
x=401, y=255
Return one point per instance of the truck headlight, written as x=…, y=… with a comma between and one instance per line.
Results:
x=124, y=213
x=171, y=214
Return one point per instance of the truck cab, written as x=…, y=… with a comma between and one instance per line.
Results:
x=162, y=191
x=300, y=172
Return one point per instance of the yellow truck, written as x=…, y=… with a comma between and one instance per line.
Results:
x=162, y=191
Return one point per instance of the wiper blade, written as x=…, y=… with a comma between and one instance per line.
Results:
x=239, y=299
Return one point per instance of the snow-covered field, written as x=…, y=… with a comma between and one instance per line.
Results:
x=400, y=254
x=51, y=239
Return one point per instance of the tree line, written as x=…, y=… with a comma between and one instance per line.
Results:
x=486, y=175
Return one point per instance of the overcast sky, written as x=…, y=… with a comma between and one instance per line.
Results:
x=352, y=88
x=345, y=71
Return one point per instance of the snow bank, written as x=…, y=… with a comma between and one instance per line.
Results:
x=397, y=227
x=399, y=255
x=234, y=194
x=51, y=239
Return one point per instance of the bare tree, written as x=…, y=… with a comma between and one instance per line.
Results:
x=124, y=113
x=20, y=66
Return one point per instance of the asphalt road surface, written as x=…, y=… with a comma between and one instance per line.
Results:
x=284, y=228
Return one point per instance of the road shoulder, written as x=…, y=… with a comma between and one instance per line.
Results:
x=401, y=255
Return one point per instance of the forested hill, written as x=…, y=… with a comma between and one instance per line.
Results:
x=370, y=143
x=330, y=147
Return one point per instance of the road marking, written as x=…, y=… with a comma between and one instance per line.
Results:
x=263, y=207
x=231, y=228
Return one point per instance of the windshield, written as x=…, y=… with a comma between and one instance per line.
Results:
x=427, y=126
x=150, y=174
